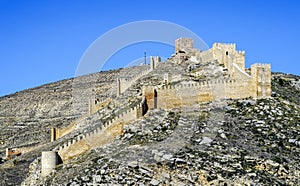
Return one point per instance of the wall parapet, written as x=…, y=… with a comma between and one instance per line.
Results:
x=202, y=84
x=238, y=85
x=57, y=133
x=103, y=126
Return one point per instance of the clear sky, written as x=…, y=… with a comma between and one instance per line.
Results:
x=43, y=41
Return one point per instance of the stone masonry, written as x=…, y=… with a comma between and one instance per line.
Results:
x=238, y=84
x=234, y=83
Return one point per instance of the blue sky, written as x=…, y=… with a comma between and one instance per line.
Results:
x=43, y=41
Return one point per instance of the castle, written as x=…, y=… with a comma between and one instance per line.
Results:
x=229, y=79
x=239, y=83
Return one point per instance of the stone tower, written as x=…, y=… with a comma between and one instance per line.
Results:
x=227, y=54
x=183, y=43
x=49, y=162
x=261, y=74
x=154, y=60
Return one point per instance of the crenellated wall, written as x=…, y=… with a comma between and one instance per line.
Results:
x=194, y=93
x=225, y=54
x=257, y=84
x=94, y=106
x=238, y=84
x=105, y=133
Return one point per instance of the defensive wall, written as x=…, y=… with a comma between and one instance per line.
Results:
x=103, y=134
x=124, y=83
x=240, y=84
x=94, y=106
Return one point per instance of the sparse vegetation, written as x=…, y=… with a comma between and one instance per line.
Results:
x=249, y=141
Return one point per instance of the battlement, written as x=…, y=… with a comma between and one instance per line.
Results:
x=192, y=85
x=225, y=54
x=241, y=52
x=261, y=65
x=123, y=117
x=224, y=46
x=238, y=84
x=94, y=106
x=136, y=77
x=181, y=95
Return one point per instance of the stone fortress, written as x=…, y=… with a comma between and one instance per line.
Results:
x=238, y=84
x=187, y=78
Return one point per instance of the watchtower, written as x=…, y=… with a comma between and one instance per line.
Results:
x=182, y=44
x=49, y=162
x=261, y=74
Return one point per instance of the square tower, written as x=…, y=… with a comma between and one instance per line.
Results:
x=261, y=75
x=183, y=43
x=154, y=60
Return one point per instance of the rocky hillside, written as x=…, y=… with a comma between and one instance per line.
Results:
x=229, y=142
x=27, y=117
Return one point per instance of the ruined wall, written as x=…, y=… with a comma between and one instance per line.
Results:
x=238, y=74
x=93, y=108
x=98, y=137
x=148, y=93
x=239, y=89
x=53, y=134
